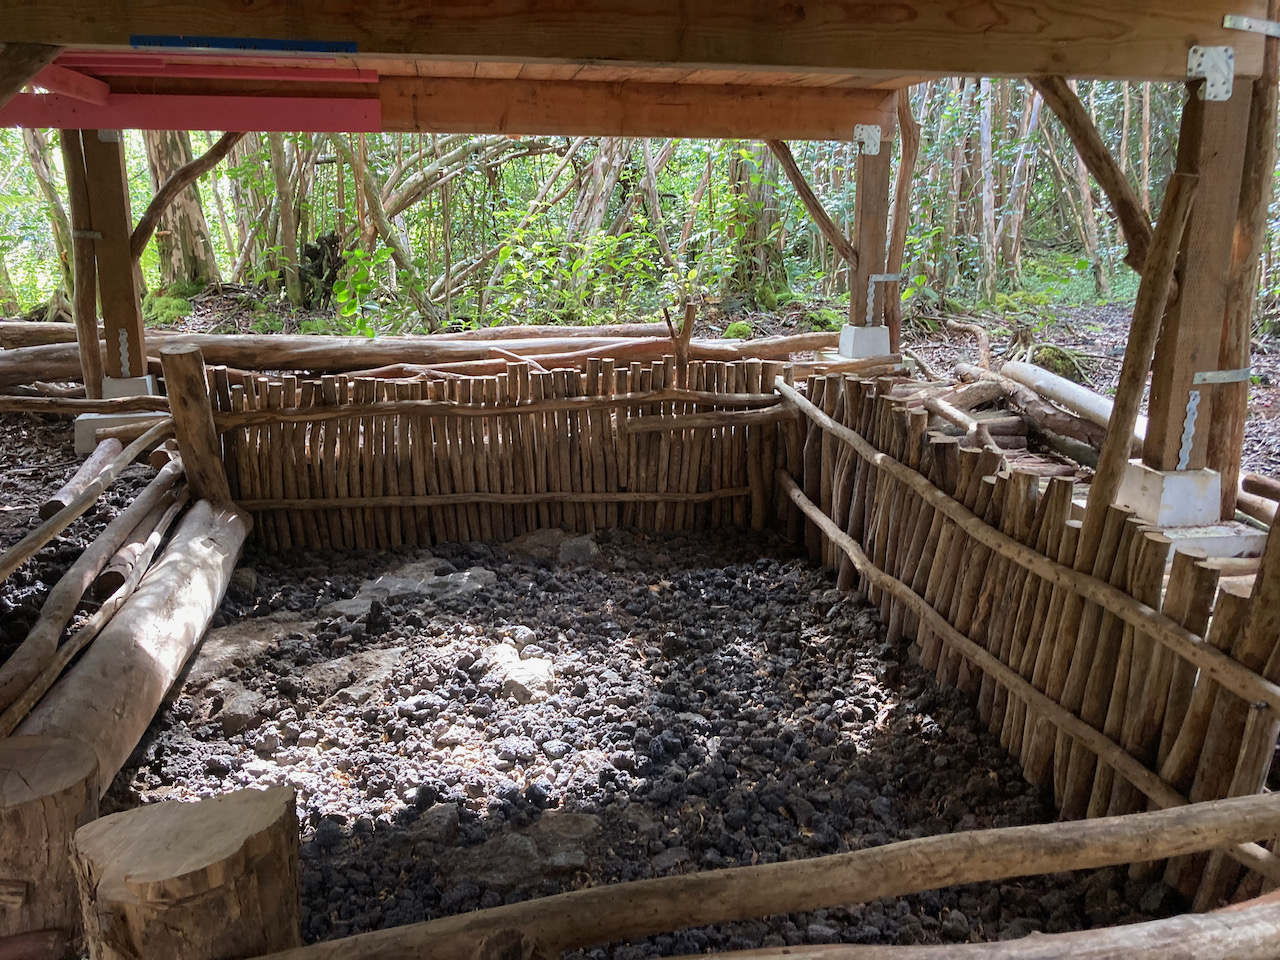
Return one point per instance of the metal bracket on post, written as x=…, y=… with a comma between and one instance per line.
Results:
x=1223, y=376
x=1216, y=66
x=1268, y=28
x=1189, y=429
x=867, y=136
x=871, y=295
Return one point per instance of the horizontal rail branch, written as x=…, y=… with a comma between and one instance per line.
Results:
x=76, y=406
x=1227, y=672
x=444, y=408
x=713, y=418
x=455, y=499
x=1161, y=794
x=611, y=912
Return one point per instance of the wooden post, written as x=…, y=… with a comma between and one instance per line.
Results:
x=871, y=218
x=1191, y=333
x=112, y=224
x=217, y=878
x=48, y=788
x=901, y=216
x=193, y=422
x=1153, y=293
x=84, y=307
x=19, y=62
x=1231, y=400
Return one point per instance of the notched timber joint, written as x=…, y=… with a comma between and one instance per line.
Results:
x=868, y=136
x=1216, y=66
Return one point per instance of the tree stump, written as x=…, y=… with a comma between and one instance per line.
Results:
x=212, y=880
x=48, y=788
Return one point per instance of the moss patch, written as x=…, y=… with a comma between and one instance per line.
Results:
x=738, y=330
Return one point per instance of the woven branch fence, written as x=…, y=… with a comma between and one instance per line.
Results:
x=1134, y=684
x=375, y=463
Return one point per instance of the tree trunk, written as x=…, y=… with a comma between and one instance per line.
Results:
x=38, y=155
x=1144, y=149
x=288, y=227
x=9, y=305
x=183, y=243
x=990, y=250
x=1020, y=187
x=208, y=880
x=48, y=788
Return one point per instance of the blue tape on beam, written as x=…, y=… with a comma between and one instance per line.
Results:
x=256, y=44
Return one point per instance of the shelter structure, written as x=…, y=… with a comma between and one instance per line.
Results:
x=1125, y=669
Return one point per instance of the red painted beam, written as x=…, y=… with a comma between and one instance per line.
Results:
x=58, y=79
x=125, y=65
x=153, y=112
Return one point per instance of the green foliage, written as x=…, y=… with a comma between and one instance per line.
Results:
x=825, y=319
x=738, y=330
x=358, y=308
x=162, y=308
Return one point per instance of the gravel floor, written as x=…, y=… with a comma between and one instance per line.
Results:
x=514, y=726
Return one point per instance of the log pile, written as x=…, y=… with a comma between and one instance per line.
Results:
x=1117, y=690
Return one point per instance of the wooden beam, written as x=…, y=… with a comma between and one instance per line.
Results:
x=184, y=378
x=1191, y=333
x=1134, y=39
x=84, y=306
x=574, y=108
x=871, y=230
x=112, y=224
x=19, y=62
x=1231, y=402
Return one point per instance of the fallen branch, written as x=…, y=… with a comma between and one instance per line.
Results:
x=110, y=696
x=178, y=181
x=93, y=465
x=1041, y=414
x=1261, y=486
x=21, y=551
x=643, y=908
x=17, y=711
x=41, y=643
x=979, y=333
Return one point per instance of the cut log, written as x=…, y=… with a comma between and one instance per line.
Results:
x=48, y=788
x=629, y=910
x=109, y=697
x=41, y=642
x=212, y=880
x=21, y=551
x=1041, y=414
x=1079, y=400
x=89, y=471
x=1261, y=486
x=184, y=379
x=345, y=354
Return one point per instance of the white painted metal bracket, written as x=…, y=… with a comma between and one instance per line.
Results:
x=1189, y=429
x=1268, y=28
x=1216, y=66
x=867, y=136
x=1223, y=376
x=871, y=294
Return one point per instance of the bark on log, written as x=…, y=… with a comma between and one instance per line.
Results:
x=1260, y=508
x=26, y=333
x=346, y=354
x=643, y=908
x=78, y=405
x=133, y=551
x=41, y=643
x=1041, y=414
x=1261, y=486
x=92, y=467
x=48, y=788
x=212, y=880
x=109, y=697
x=1079, y=400
x=1247, y=934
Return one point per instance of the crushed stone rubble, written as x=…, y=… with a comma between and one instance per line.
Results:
x=480, y=724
